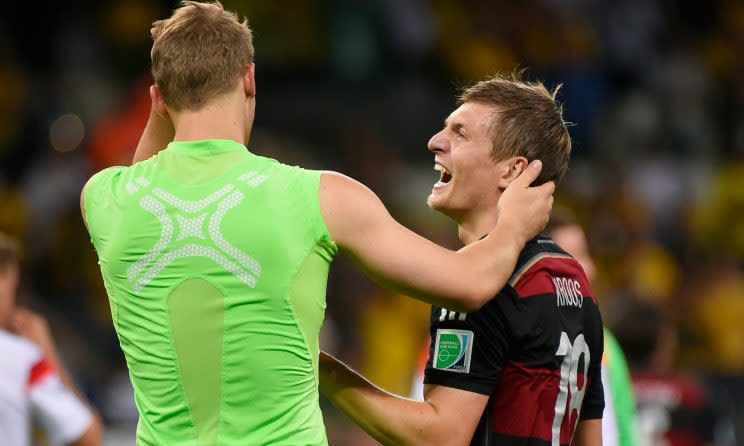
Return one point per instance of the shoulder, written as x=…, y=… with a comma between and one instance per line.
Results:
x=346, y=193
x=109, y=172
x=543, y=267
x=96, y=187
x=287, y=175
x=101, y=179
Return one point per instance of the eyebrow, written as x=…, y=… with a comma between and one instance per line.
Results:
x=457, y=124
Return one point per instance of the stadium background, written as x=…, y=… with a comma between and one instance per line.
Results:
x=657, y=176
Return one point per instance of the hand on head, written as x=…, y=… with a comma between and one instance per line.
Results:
x=527, y=209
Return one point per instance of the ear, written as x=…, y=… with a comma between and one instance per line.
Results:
x=511, y=169
x=158, y=102
x=249, y=80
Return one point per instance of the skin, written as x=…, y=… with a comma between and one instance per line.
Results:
x=33, y=327
x=447, y=416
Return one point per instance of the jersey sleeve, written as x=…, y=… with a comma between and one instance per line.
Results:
x=98, y=197
x=56, y=408
x=593, y=405
x=468, y=350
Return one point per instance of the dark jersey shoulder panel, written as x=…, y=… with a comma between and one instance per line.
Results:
x=535, y=348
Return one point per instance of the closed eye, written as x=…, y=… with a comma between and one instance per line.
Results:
x=457, y=128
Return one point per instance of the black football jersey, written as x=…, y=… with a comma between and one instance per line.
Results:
x=535, y=349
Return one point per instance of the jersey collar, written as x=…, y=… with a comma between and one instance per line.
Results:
x=206, y=146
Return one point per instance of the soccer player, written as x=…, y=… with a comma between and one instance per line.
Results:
x=619, y=427
x=215, y=259
x=674, y=408
x=34, y=387
x=525, y=368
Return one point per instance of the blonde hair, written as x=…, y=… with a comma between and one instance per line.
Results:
x=198, y=53
x=528, y=121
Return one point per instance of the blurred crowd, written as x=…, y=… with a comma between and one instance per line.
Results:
x=653, y=88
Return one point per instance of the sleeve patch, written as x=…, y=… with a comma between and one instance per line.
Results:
x=453, y=350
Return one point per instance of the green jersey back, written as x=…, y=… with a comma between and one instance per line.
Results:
x=215, y=261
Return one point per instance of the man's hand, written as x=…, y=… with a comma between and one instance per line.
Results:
x=34, y=327
x=158, y=132
x=524, y=209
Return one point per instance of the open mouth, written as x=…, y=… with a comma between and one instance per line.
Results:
x=444, y=175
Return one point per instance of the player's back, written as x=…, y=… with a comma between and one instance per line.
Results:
x=215, y=261
x=535, y=349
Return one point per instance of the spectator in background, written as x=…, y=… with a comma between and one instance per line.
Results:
x=33, y=383
x=673, y=409
x=619, y=421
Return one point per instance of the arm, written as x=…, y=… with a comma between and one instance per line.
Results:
x=588, y=433
x=60, y=405
x=400, y=259
x=447, y=416
x=82, y=205
x=157, y=134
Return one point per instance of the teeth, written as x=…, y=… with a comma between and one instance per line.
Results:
x=440, y=168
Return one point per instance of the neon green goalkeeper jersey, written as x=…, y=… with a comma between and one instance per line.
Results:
x=215, y=261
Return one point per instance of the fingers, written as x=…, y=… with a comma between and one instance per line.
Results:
x=529, y=175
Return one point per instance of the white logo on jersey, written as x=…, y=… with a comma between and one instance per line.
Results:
x=451, y=315
x=246, y=269
x=567, y=292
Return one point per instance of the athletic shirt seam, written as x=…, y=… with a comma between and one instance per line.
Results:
x=172, y=345
x=288, y=297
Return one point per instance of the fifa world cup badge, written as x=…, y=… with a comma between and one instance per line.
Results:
x=453, y=349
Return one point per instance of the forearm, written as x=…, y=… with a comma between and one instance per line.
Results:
x=156, y=136
x=461, y=281
x=389, y=419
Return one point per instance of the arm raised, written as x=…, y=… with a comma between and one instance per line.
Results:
x=157, y=134
x=400, y=259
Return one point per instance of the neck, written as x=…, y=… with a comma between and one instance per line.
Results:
x=222, y=119
x=477, y=224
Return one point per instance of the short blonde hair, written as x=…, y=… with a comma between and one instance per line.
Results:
x=528, y=121
x=198, y=53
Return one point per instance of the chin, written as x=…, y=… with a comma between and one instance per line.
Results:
x=439, y=205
